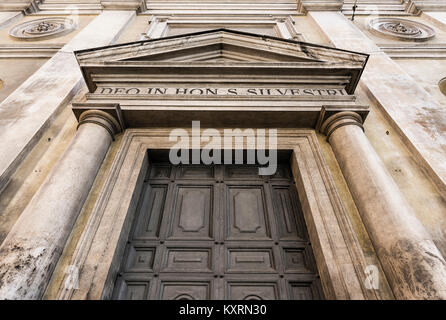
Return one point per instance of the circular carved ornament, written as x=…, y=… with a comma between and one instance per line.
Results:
x=42, y=28
x=401, y=29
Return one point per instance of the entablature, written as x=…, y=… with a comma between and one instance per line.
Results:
x=222, y=77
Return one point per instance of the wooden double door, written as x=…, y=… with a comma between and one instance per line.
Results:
x=218, y=232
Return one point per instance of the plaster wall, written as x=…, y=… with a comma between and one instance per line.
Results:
x=135, y=29
x=427, y=73
x=310, y=31
x=13, y=72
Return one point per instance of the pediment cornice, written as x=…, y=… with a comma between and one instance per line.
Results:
x=220, y=52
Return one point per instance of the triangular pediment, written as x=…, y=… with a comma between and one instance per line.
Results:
x=224, y=51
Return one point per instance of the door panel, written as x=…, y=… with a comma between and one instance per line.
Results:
x=284, y=210
x=152, y=207
x=218, y=232
x=184, y=290
x=192, y=213
x=247, y=213
x=188, y=260
x=252, y=291
x=250, y=260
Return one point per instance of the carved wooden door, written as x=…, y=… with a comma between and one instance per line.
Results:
x=218, y=232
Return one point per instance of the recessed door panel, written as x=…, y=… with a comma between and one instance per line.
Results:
x=252, y=291
x=285, y=210
x=152, y=207
x=185, y=290
x=247, y=213
x=217, y=232
x=250, y=260
x=192, y=212
x=188, y=260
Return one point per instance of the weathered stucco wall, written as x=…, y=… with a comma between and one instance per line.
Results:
x=310, y=31
x=135, y=29
x=13, y=72
x=428, y=76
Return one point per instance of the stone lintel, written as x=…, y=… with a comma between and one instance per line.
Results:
x=137, y=116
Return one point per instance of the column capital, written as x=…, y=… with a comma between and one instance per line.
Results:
x=102, y=119
x=340, y=119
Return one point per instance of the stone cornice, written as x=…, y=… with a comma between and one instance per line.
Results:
x=213, y=8
x=29, y=50
x=42, y=7
x=137, y=5
x=414, y=50
x=28, y=6
x=428, y=5
x=259, y=53
x=392, y=8
x=319, y=5
x=380, y=7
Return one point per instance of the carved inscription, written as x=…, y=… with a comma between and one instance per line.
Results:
x=131, y=91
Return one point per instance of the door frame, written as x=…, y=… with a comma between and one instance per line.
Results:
x=100, y=248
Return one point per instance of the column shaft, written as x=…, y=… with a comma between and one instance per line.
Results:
x=406, y=110
x=32, y=248
x=413, y=265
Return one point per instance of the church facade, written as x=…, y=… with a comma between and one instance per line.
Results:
x=268, y=150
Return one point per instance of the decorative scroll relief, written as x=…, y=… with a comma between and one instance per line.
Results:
x=41, y=29
x=401, y=29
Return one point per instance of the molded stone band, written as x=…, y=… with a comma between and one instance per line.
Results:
x=339, y=120
x=102, y=119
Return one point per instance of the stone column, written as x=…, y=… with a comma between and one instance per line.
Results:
x=412, y=112
x=33, y=247
x=412, y=263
